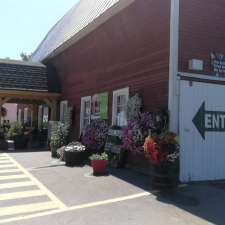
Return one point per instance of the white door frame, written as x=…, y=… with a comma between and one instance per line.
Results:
x=173, y=95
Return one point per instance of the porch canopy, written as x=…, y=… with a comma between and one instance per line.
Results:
x=28, y=83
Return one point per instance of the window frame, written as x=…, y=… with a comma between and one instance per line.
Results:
x=83, y=100
x=116, y=93
x=62, y=113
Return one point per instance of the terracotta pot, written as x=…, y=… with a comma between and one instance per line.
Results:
x=99, y=166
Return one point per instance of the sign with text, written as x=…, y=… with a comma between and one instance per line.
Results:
x=209, y=121
x=218, y=64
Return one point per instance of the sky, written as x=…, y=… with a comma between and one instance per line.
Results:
x=24, y=23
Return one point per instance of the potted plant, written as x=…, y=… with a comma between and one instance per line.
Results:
x=163, y=152
x=99, y=163
x=59, y=138
x=55, y=143
x=74, y=154
x=16, y=134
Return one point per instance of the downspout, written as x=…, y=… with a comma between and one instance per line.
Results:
x=173, y=101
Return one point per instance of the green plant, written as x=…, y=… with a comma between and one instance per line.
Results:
x=60, y=136
x=102, y=156
x=16, y=129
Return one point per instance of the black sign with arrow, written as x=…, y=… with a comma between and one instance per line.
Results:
x=209, y=121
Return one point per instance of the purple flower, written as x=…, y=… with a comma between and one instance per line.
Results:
x=134, y=134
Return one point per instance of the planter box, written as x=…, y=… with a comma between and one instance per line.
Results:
x=99, y=166
x=20, y=142
x=74, y=158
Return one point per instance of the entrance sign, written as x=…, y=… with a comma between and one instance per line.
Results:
x=209, y=121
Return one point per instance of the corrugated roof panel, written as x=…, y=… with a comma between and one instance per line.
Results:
x=79, y=17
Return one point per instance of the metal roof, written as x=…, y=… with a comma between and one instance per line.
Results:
x=84, y=13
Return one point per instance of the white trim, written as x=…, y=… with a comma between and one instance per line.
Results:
x=83, y=100
x=123, y=91
x=173, y=100
x=201, y=76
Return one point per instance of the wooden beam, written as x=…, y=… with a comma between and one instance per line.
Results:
x=53, y=110
x=28, y=94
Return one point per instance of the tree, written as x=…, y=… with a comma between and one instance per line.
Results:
x=24, y=56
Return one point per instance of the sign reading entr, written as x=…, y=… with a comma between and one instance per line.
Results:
x=209, y=121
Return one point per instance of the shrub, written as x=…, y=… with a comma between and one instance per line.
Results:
x=15, y=129
x=60, y=136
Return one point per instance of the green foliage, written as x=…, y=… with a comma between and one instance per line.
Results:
x=60, y=136
x=15, y=129
x=102, y=156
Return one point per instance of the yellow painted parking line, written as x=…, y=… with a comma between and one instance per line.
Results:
x=59, y=203
x=78, y=207
x=4, y=159
x=9, y=171
x=8, y=166
x=12, y=177
x=6, y=163
x=4, y=156
x=28, y=208
x=18, y=195
x=16, y=185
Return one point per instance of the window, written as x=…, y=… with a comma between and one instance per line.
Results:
x=85, y=112
x=63, y=110
x=119, y=113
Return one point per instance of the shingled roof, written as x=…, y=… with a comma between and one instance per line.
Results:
x=83, y=18
x=19, y=75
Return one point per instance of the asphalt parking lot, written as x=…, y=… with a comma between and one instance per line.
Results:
x=34, y=189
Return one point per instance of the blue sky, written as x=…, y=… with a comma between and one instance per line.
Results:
x=24, y=23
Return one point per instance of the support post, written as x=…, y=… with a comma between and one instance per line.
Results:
x=53, y=110
x=35, y=115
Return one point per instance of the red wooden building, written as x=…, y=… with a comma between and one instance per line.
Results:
x=170, y=52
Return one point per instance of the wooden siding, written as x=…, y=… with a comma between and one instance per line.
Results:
x=202, y=31
x=129, y=50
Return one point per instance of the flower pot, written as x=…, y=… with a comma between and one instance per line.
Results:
x=74, y=158
x=99, y=166
x=54, y=152
x=20, y=141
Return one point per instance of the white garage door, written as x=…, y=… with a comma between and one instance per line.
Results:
x=202, y=131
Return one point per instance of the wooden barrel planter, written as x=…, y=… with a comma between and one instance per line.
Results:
x=164, y=177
